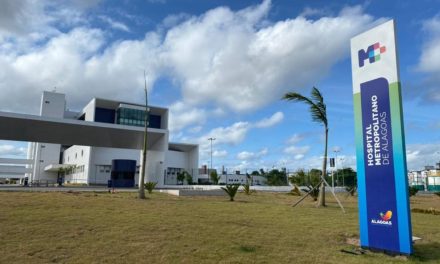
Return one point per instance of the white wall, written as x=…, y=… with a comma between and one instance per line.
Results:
x=89, y=111
x=52, y=105
x=187, y=160
x=193, y=163
x=101, y=160
x=176, y=159
x=156, y=155
x=241, y=179
x=30, y=156
x=78, y=156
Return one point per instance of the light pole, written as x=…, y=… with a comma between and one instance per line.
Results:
x=342, y=167
x=435, y=163
x=336, y=151
x=210, y=139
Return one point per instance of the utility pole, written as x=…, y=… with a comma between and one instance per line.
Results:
x=209, y=173
x=144, y=149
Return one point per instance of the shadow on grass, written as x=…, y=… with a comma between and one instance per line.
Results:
x=427, y=251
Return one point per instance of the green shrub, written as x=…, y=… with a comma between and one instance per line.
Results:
x=413, y=190
x=150, y=186
x=247, y=188
x=231, y=190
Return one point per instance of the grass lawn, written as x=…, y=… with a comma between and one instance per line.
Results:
x=261, y=228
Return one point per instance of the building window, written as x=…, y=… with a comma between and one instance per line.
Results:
x=76, y=155
x=82, y=153
x=47, y=102
x=136, y=117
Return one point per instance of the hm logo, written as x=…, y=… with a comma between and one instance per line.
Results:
x=372, y=54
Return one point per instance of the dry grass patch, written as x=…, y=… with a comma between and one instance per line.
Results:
x=118, y=228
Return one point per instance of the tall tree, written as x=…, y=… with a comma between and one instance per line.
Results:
x=144, y=149
x=318, y=111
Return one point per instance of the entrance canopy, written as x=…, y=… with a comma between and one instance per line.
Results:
x=31, y=128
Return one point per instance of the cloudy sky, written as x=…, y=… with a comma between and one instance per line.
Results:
x=222, y=67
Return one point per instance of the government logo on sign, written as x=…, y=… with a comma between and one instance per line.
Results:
x=385, y=219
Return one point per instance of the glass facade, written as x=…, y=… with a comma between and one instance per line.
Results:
x=136, y=117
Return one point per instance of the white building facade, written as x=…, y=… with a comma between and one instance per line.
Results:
x=77, y=164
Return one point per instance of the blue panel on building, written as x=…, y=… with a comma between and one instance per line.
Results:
x=123, y=172
x=104, y=115
x=154, y=121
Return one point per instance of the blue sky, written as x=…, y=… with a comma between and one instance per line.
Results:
x=221, y=67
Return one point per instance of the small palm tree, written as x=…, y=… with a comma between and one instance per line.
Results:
x=231, y=190
x=247, y=189
x=150, y=186
x=317, y=108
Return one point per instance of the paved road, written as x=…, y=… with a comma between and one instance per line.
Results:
x=19, y=188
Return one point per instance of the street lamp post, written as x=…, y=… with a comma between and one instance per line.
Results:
x=342, y=171
x=336, y=151
x=210, y=139
x=438, y=153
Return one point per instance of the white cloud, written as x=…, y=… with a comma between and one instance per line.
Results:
x=229, y=59
x=115, y=24
x=20, y=17
x=420, y=155
x=182, y=115
x=296, y=138
x=195, y=129
x=219, y=153
x=11, y=150
x=242, y=63
x=429, y=61
x=294, y=150
x=232, y=135
x=27, y=21
x=430, y=57
x=246, y=155
x=308, y=11
x=174, y=19
x=271, y=121
x=74, y=64
x=299, y=156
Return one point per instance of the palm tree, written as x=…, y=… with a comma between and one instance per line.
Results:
x=317, y=108
x=231, y=190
